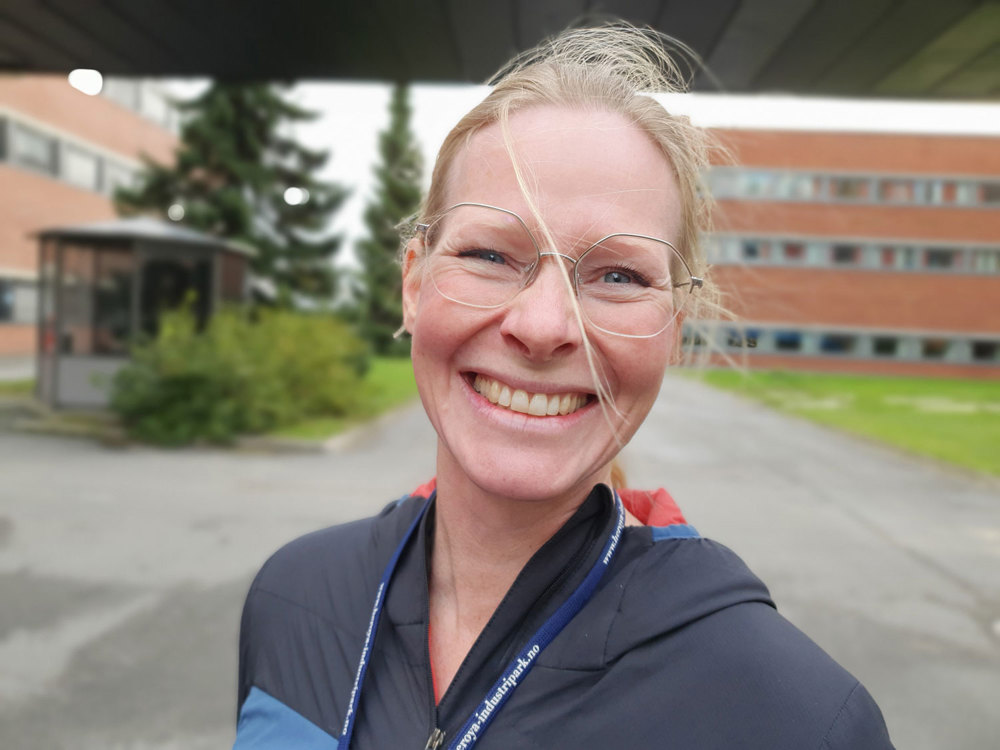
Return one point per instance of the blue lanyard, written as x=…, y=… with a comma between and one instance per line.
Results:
x=504, y=687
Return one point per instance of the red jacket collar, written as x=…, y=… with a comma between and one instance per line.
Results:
x=653, y=508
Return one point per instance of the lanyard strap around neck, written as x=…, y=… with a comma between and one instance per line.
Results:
x=359, y=677
x=504, y=687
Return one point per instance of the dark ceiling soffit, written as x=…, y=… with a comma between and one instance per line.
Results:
x=925, y=48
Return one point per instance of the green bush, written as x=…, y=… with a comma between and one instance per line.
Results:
x=242, y=374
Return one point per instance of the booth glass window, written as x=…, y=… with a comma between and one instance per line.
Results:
x=113, y=301
x=76, y=300
x=232, y=283
x=46, y=291
x=167, y=283
x=95, y=301
x=47, y=324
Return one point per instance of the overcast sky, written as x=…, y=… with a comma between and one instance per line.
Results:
x=352, y=114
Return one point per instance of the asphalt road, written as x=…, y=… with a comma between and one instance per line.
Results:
x=122, y=572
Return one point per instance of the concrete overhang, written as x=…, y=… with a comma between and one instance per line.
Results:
x=868, y=48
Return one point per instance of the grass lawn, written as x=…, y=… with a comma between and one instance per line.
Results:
x=952, y=420
x=17, y=387
x=388, y=383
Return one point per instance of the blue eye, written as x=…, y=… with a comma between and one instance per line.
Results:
x=625, y=275
x=490, y=256
x=617, y=277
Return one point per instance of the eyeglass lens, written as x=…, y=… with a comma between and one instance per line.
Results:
x=626, y=284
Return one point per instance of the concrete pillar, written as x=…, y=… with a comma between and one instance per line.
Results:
x=810, y=342
x=959, y=350
x=863, y=346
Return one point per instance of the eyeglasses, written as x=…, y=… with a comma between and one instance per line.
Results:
x=627, y=284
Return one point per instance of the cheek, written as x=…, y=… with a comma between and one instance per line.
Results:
x=427, y=351
x=440, y=330
x=640, y=372
x=435, y=331
x=430, y=376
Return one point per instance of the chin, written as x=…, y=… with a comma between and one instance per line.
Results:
x=531, y=478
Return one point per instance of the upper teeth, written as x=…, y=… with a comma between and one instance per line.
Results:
x=536, y=404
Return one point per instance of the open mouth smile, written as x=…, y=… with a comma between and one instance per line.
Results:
x=533, y=404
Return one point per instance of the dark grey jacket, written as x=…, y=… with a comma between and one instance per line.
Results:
x=680, y=647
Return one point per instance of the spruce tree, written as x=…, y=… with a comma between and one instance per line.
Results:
x=234, y=163
x=397, y=196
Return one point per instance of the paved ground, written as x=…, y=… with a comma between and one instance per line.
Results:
x=122, y=572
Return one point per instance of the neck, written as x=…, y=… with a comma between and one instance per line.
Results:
x=484, y=537
x=482, y=540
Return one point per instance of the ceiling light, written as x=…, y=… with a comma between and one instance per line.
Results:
x=90, y=82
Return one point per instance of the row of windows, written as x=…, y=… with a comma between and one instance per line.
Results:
x=143, y=97
x=871, y=254
x=37, y=150
x=867, y=345
x=783, y=185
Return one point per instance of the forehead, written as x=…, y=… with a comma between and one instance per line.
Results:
x=589, y=173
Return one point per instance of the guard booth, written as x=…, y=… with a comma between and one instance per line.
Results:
x=101, y=285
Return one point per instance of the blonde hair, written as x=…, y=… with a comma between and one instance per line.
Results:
x=612, y=68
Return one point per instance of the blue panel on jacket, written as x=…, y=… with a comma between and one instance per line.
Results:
x=268, y=724
x=674, y=531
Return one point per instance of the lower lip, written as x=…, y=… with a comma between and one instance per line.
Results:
x=521, y=421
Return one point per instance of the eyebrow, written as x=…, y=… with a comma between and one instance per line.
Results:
x=522, y=225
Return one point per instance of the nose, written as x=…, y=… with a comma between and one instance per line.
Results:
x=541, y=322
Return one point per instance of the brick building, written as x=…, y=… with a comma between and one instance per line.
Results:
x=860, y=252
x=62, y=153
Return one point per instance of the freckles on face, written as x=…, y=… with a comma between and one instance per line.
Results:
x=511, y=390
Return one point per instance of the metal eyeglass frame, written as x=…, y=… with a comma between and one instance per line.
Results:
x=696, y=282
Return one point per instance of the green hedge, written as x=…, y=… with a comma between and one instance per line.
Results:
x=243, y=374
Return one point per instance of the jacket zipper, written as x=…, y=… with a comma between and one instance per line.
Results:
x=435, y=740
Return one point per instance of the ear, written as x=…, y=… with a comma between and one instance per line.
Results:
x=412, y=278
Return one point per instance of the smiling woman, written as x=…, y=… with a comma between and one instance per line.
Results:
x=518, y=600
x=521, y=321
